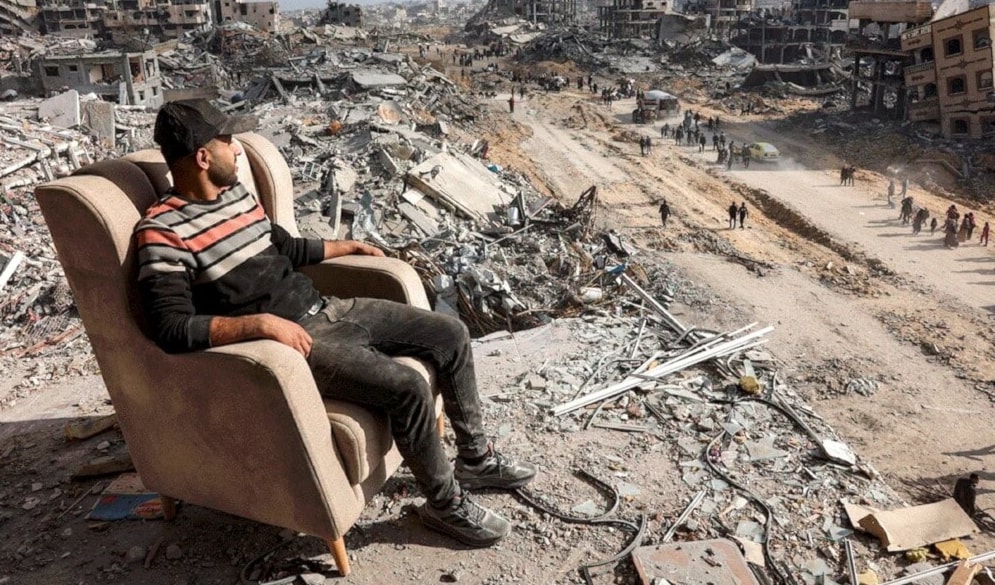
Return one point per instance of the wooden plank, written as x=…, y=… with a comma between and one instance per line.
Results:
x=964, y=573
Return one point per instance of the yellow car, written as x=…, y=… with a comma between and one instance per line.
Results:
x=763, y=152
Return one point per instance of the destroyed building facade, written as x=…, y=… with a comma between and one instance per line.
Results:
x=535, y=11
x=264, y=16
x=343, y=14
x=123, y=78
x=878, y=78
x=950, y=80
x=142, y=22
x=627, y=19
x=813, y=31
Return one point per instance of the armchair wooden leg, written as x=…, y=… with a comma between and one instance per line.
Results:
x=337, y=547
x=168, y=507
x=440, y=425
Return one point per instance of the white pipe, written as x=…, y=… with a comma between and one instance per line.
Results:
x=685, y=360
x=9, y=269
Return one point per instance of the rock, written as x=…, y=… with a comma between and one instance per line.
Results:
x=136, y=554
x=174, y=552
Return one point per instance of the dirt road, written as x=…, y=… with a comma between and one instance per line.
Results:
x=852, y=292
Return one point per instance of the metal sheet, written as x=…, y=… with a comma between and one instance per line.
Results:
x=717, y=562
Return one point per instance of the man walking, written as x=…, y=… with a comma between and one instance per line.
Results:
x=984, y=234
x=742, y=214
x=664, y=212
x=733, y=212
x=214, y=270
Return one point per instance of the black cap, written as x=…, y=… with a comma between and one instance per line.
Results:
x=186, y=125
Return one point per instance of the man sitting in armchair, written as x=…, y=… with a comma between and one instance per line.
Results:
x=214, y=270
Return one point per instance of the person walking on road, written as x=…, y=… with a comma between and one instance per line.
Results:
x=733, y=212
x=971, y=224
x=932, y=226
x=905, y=186
x=664, y=212
x=984, y=235
x=511, y=103
x=746, y=156
x=742, y=214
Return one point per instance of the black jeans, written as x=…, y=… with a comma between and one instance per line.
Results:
x=353, y=341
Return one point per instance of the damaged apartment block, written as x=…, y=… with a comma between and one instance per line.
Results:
x=131, y=79
x=535, y=11
x=878, y=81
x=628, y=19
x=342, y=14
x=814, y=31
x=949, y=81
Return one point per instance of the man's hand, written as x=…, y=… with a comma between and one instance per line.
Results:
x=337, y=249
x=225, y=330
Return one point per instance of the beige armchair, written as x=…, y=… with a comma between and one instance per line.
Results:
x=239, y=428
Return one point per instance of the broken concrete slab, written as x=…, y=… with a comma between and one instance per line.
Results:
x=62, y=110
x=98, y=117
x=718, y=562
x=919, y=526
x=460, y=182
x=370, y=79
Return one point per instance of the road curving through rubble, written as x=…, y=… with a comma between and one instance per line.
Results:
x=853, y=296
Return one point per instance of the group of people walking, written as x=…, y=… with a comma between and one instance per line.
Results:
x=957, y=229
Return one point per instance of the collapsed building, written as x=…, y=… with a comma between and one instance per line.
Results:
x=122, y=78
x=535, y=11
x=814, y=31
x=342, y=14
x=878, y=81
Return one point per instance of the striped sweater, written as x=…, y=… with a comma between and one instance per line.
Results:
x=198, y=259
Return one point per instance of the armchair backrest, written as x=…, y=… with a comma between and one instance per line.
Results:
x=113, y=194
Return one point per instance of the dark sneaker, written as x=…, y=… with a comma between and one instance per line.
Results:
x=495, y=471
x=466, y=521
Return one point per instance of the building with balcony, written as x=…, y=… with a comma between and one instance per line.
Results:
x=122, y=78
x=70, y=18
x=628, y=19
x=145, y=20
x=878, y=77
x=950, y=77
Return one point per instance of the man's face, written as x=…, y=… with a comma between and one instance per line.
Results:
x=223, y=170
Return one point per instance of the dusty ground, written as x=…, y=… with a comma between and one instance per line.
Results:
x=851, y=293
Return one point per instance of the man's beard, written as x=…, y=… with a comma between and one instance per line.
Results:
x=221, y=177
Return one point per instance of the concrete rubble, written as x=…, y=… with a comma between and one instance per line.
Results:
x=383, y=148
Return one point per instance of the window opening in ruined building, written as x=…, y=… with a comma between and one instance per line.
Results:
x=952, y=47
x=988, y=125
x=927, y=55
x=956, y=85
x=958, y=126
x=929, y=91
x=74, y=68
x=981, y=39
x=51, y=71
x=984, y=79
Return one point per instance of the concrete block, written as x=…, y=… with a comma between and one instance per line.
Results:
x=62, y=110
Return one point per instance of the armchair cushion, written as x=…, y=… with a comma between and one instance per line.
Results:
x=363, y=436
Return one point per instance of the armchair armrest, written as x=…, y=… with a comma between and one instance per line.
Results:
x=369, y=276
